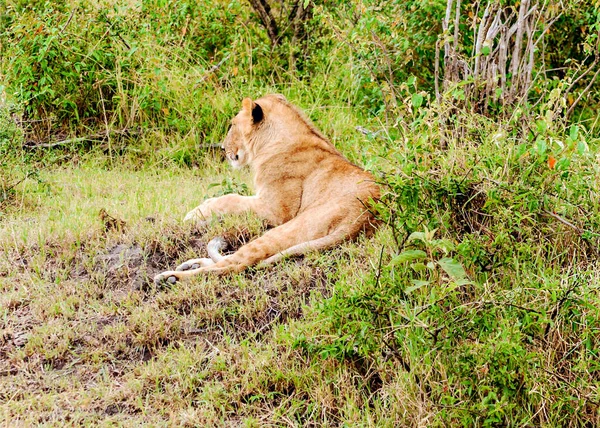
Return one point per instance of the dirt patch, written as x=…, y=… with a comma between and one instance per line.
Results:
x=124, y=266
x=14, y=334
x=136, y=319
x=132, y=266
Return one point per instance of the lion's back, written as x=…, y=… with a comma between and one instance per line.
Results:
x=301, y=167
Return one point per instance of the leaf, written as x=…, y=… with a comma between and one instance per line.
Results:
x=542, y=126
x=541, y=147
x=417, y=100
x=426, y=236
x=551, y=162
x=305, y=4
x=416, y=285
x=453, y=268
x=563, y=164
x=443, y=244
x=417, y=235
x=459, y=94
x=573, y=132
x=485, y=50
x=408, y=255
x=418, y=267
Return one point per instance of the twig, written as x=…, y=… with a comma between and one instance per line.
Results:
x=68, y=20
x=437, y=70
x=212, y=70
x=63, y=142
x=563, y=221
x=217, y=350
x=101, y=136
x=123, y=41
x=378, y=277
x=367, y=132
x=585, y=91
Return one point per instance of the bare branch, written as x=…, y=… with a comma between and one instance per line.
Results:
x=584, y=92
x=94, y=137
x=514, y=65
x=436, y=80
x=263, y=9
x=212, y=70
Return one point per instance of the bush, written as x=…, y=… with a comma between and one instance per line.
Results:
x=488, y=273
x=87, y=67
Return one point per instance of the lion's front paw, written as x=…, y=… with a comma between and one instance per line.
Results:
x=201, y=213
x=194, y=215
x=165, y=277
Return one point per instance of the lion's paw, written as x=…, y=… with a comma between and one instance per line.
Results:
x=194, y=264
x=201, y=213
x=165, y=278
x=195, y=215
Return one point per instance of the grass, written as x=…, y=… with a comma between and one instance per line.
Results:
x=476, y=303
x=498, y=323
x=87, y=337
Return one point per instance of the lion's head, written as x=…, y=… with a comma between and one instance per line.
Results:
x=237, y=142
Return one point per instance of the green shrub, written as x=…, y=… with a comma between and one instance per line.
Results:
x=90, y=67
x=489, y=272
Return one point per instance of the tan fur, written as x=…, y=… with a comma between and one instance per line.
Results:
x=304, y=186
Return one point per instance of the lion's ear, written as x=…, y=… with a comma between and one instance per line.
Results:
x=257, y=113
x=247, y=104
x=253, y=109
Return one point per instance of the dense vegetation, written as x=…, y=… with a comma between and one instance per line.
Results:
x=476, y=303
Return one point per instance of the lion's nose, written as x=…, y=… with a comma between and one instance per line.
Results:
x=235, y=157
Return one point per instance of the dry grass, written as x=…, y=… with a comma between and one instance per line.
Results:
x=87, y=338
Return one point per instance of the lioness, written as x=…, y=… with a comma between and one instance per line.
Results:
x=304, y=186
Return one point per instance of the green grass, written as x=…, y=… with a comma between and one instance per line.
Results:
x=359, y=334
x=476, y=303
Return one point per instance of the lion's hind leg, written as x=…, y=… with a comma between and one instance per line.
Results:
x=297, y=237
x=306, y=247
x=305, y=233
x=340, y=227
